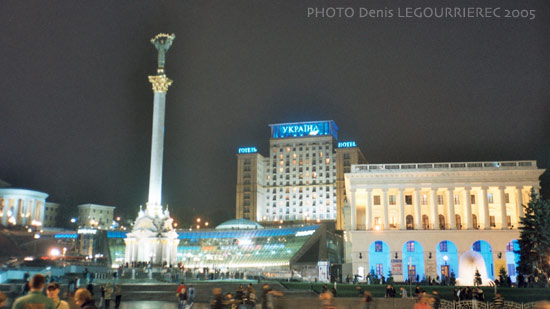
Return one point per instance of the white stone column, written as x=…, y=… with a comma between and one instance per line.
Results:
x=16, y=211
x=484, y=209
x=33, y=210
x=5, y=211
x=451, y=208
x=467, y=208
x=519, y=200
x=433, y=208
x=502, y=207
x=417, y=213
x=401, y=204
x=25, y=205
x=385, y=207
x=353, y=210
x=368, y=210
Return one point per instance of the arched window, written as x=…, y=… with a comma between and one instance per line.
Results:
x=458, y=222
x=441, y=222
x=425, y=222
x=410, y=222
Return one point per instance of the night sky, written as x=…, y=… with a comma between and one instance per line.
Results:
x=76, y=105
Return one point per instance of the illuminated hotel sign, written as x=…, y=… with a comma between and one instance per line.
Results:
x=248, y=150
x=304, y=129
x=349, y=144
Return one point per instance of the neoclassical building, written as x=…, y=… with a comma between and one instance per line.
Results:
x=431, y=219
x=22, y=207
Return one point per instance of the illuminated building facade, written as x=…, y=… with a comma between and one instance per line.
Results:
x=302, y=178
x=22, y=207
x=50, y=214
x=94, y=215
x=431, y=219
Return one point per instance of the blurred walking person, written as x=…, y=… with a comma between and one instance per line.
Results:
x=52, y=291
x=368, y=300
x=83, y=299
x=35, y=298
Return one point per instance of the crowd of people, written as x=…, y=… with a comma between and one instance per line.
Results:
x=38, y=293
x=42, y=294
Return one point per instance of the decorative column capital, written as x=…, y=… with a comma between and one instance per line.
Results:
x=160, y=83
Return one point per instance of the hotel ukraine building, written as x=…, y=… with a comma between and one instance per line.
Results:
x=417, y=220
x=302, y=179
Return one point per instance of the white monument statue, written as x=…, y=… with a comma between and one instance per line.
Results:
x=153, y=239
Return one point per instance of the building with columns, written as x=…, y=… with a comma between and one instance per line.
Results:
x=431, y=219
x=302, y=178
x=22, y=207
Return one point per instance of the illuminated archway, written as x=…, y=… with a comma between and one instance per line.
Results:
x=447, y=260
x=484, y=248
x=512, y=259
x=413, y=261
x=379, y=258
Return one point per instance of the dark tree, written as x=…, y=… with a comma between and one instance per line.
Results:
x=452, y=278
x=390, y=278
x=502, y=276
x=534, y=240
x=477, y=278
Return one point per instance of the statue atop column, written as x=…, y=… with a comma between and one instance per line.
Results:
x=162, y=43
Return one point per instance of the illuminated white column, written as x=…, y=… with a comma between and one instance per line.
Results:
x=16, y=211
x=451, y=208
x=368, y=210
x=519, y=200
x=353, y=210
x=467, y=208
x=385, y=206
x=5, y=211
x=157, y=148
x=401, y=204
x=417, y=213
x=502, y=201
x=433, y=208
x=484, y=209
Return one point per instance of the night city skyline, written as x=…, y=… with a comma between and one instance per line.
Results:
x=77, y=105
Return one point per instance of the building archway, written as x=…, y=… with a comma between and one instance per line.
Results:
x=379, y=258
x=442, y=224
x=447, y=260
x=425, y=222
x=474, y=222
x=413, y=261
x=512, y=259
x=458, y=222
x=484, y=248
x=410, y=222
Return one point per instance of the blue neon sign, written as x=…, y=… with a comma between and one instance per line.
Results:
x=248, y=150
x=349, y=144
x=304, y=129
